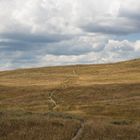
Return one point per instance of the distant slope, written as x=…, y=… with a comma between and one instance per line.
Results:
x=122, y=72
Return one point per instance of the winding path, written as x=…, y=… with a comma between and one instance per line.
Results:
x=79, y=132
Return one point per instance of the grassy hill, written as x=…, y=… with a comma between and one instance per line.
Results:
x=81, y=102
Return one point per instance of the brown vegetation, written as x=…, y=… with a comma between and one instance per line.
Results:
x=53, y=103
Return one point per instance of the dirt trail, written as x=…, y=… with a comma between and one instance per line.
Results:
x=51, y=101
x=79, y=132
x=53, y=105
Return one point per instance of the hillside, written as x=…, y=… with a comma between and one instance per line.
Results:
x=81, y=102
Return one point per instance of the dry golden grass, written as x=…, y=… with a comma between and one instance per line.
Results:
x=28, y=126
x=106, y=98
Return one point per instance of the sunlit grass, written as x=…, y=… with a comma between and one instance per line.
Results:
x=106, y=97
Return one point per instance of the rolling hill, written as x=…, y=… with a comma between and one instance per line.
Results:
x=80, y=102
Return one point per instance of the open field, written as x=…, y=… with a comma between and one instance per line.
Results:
x=81, y=102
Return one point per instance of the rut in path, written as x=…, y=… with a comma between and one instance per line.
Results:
x=79, y=132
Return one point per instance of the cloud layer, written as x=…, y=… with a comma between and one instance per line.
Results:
x=58, y=32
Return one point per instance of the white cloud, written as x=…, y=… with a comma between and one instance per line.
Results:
x=137, y=46
x=120, y=46
x=65, y=17
x=67, y=32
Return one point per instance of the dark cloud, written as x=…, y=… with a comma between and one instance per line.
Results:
x=133, y=15
x=35, y=42
x=48, y=48
x=47, y=44
x=130, y=10
x=35, y=38
x=118, y=26
x=107, y=29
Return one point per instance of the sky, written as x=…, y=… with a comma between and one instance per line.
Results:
x=37, y=33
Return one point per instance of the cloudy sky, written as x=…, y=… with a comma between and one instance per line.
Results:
x=36, y=33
